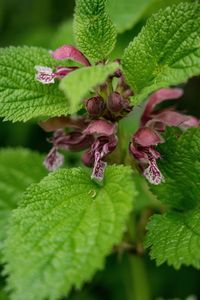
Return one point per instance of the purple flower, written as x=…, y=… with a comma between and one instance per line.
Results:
x=105, y=142
x=98, y=137
x=95, y=106
x=157, y=98
x=144, y=141
x=46, y=75
x=102, y=146
x=56, y=123
x=70, y=52
x=73, y=141
x=142, y=148
x=54, y=160
x=115, y=102
x=100, y=128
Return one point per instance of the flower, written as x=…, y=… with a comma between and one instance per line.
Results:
x=97, y=136
x=54, y=160
x=70, y=52
x=148, y=136
x=95, y=106
x=105, y=142
x=102, y=146
x=46, y=75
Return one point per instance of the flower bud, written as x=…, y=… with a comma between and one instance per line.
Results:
x=115, y=102
x=95, y=106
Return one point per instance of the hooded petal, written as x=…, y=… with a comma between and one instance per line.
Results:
x=74, y=141
x=146, y=137
x=53, y=124
x=70, y=52
x=159, y=97
x=63, y=71
x=100, y=128
x=173, y=118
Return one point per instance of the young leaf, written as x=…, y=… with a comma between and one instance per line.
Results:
x=125, y=14
x=174, y=238
x=19, y=168
x=21, y=96
x=63, y=229
x=180, y=165
x=78, y=84
x=166, y=52
x=94, y=30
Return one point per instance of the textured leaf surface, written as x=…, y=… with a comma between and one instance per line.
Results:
x=19, y=168
x=21, y=96
x=79, y=83
x=94, y=30
x=66, y=224
x=125, y=14
x=166, y=52
x=180, y=165
x=175, y=238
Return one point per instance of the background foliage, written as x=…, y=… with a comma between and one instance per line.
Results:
x=48, y=24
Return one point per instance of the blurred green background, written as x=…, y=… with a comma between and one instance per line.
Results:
x=47, y=23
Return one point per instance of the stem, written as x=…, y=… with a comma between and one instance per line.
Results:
x=135, y=279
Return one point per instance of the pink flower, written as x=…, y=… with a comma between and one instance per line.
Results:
x=46, y=75
x=70, y=52
x=102, y=147
x=98, y=137
x=54, y=160
x=148, y=136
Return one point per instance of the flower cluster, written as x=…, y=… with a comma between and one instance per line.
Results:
x=95, y=132
x=153, y=123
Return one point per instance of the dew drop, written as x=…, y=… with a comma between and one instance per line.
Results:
x=92, y=193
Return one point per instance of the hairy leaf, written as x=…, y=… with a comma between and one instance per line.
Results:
x=79, y=83
x=180, y=165
x=66, y=224
x=19, y=168
x=166, y=52
x=94, y=30
x=175, y=238
x=21, y=96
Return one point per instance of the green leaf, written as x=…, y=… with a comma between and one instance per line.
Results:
x=79, y=83
x=125, y=14
x=94, y=31
x=166, y=52
x=21, y=96
x=63, y=229
x=19, y=168
x=180, y=165
x=175, y=238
